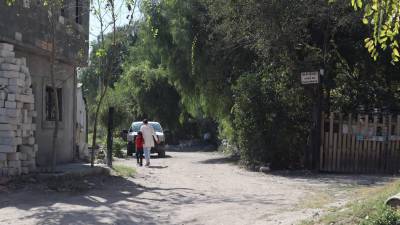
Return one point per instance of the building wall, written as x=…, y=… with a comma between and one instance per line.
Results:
x=28, y=26
x=39, y=69
x=81, y=124
x=27, y=29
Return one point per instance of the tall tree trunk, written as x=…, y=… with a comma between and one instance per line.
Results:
x=94, y=137
x=96, y=116
x=108, y=71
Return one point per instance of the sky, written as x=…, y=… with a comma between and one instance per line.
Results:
x=122, y=20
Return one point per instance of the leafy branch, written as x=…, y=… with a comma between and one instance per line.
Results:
x=384, y=17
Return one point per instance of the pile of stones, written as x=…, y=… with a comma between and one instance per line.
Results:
x=18, y=147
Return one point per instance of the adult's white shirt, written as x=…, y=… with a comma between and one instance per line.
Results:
x=148, y=135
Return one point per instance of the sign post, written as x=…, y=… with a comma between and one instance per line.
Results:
x=309, y=78
x=314, y=79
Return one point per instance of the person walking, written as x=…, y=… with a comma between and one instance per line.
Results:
x=139, y=141
x=149, y=135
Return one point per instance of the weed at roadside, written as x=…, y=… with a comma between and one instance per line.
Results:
x=316, y=200
x=367, y=208
x=124, y=171
x=383, y=216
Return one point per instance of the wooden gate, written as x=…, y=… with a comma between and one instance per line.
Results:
x=360, y=143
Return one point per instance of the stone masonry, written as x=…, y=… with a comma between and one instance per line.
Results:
x=17, y=113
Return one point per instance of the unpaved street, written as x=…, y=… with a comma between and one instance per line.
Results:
x=186, y=188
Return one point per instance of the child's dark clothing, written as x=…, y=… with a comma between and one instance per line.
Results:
x=139, y=149
x=139, y=156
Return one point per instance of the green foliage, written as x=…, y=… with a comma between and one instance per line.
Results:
x=154, y=94
x=10, y=2
x=383, y=16
x=180, y=39
x=261, y=106
x=238, y=64
x=271, y=45
x=105, y=59
x=249, y=122
x=121, y=114
x=124, y=171
x=367, y=208
x=118, y=145
x=143, y=92
x=43, y=2
x=383, y=216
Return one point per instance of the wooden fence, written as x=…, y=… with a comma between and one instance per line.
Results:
x=360, y=143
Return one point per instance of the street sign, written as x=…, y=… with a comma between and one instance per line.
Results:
x=310, y=77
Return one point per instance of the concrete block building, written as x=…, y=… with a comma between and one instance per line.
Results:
x=25, y=25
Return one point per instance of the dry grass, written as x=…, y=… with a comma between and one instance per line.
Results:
x=317, y=200
x=124, y=171
x=366, y=201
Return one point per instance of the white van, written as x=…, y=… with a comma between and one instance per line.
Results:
x=134, y=129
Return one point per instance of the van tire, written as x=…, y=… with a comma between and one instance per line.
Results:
x=130, y=148
x=161, y=153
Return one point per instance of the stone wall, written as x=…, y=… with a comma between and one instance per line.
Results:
x=18, y=147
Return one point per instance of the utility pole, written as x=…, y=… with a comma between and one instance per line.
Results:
x=313, y=79
x=317, y=122
x=75, y=148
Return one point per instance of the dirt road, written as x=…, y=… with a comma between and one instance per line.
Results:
x=186, y=188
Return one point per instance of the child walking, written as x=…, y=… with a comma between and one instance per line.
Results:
x=139, y=141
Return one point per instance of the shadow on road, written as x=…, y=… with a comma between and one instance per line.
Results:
x=337, y=179
x=314, y=177
x=221, y=160
x=192, y=148
x=157, y=157
x=158, y=167
x=116, y=200
x=104, y=203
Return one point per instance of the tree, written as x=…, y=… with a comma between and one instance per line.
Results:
x=54, y=7
x=240, y=62
x=145, y=91
x=105, y=56
x=384, y=17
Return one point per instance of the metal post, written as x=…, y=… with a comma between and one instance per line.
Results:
x=317, y=132
x=316, y=127
x=313, y=153
x=110, y=136
x=75, y=150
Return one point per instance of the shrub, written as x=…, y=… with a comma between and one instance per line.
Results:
x=271, y=126
x=118, y=145
x=383, y=216
x=124, y=171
